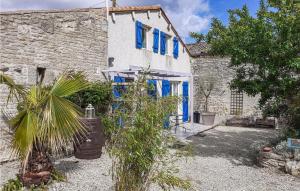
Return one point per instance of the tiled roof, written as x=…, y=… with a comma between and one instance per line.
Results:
x=134, y=8
x=198, y=49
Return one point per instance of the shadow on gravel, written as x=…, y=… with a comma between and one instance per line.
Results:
x=233, y=144
x=67, y=166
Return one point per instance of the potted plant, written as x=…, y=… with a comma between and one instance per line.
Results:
x=206, y=87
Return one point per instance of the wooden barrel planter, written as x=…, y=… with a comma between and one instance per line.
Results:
x=90, y=146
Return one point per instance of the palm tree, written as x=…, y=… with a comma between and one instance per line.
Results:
x=46, y=122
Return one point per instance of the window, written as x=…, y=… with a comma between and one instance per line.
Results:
x=40, y=75
x=236, y=103
x=168, y=45
x=141, y=31
x=144, y=37
x=174, y=86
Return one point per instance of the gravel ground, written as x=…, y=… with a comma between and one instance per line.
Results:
x=223, y=161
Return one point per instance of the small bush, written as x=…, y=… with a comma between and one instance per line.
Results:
x=99, y=94
x=13, y=185
x=58, y=176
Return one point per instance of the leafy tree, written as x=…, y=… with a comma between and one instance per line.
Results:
x=138, y=142
x=46, y=121
x=264, y=49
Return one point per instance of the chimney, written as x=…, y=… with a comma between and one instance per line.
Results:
x=114, y=3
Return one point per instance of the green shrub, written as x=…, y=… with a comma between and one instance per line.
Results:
x=99, y=94
x=138, y=142
x=58, y=176
x=13, y=185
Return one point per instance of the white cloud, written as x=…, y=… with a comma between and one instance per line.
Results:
x=186, y=15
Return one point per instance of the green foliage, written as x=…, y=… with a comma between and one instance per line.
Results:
x=13, y=185
x=46, y=117
x=293, y=112
x=264, y=50
x=265, y=53
x=138, y=142
x=167, y=181
x=16, y=184
x=99, y=94
x=197, y=36
x=58, y=176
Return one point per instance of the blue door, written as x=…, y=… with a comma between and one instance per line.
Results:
x=165, y=88
x=166, y=92
x=117, y=91
x=185, y=101
x=119, y=88
x=152, y=88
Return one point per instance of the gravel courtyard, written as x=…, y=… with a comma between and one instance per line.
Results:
x=223, y=161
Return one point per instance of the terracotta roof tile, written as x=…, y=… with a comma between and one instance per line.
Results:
x=134, y=8
x=198, y=49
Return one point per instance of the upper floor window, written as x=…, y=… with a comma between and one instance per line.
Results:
x=144, y=38
x=141, y=33
x=168, y=45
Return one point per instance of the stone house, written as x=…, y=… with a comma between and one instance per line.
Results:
x=40, y=44
x=225, y=102
x=143, y=38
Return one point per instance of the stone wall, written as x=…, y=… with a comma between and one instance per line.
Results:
x=219, y=101
x=56, y=40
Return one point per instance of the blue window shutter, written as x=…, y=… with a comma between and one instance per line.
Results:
x=118, y=89
x=155, y=40
x=165, y=88
x=166, y=92
x=162, y=43
x=152, y=88
x=175, y=47
x=139, y=34
x=185, y=101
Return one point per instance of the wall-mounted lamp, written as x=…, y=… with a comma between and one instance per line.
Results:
x=111, y=61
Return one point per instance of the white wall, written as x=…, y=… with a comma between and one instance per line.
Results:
x=122, y=47
x=122, y=44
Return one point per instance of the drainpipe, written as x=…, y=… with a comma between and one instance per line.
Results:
x=192, y=100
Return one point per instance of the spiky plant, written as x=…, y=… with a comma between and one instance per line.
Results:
x=46, y=121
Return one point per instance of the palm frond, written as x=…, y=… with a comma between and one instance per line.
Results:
x=60, y=122
x=15, y=90
x=25, y=124
x=46, y=117
x=68, y=84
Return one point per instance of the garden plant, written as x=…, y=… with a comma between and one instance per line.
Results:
x=264, y=51
x=45, y=122
x=139, y=142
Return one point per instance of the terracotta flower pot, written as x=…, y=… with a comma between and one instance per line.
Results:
x=267, y=149
x=208, y=118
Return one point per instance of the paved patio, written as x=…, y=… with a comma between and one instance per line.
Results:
x=188, y=129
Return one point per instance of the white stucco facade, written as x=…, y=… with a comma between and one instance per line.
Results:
x=122, y=49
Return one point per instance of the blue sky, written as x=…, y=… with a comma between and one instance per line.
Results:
x=186, y=15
